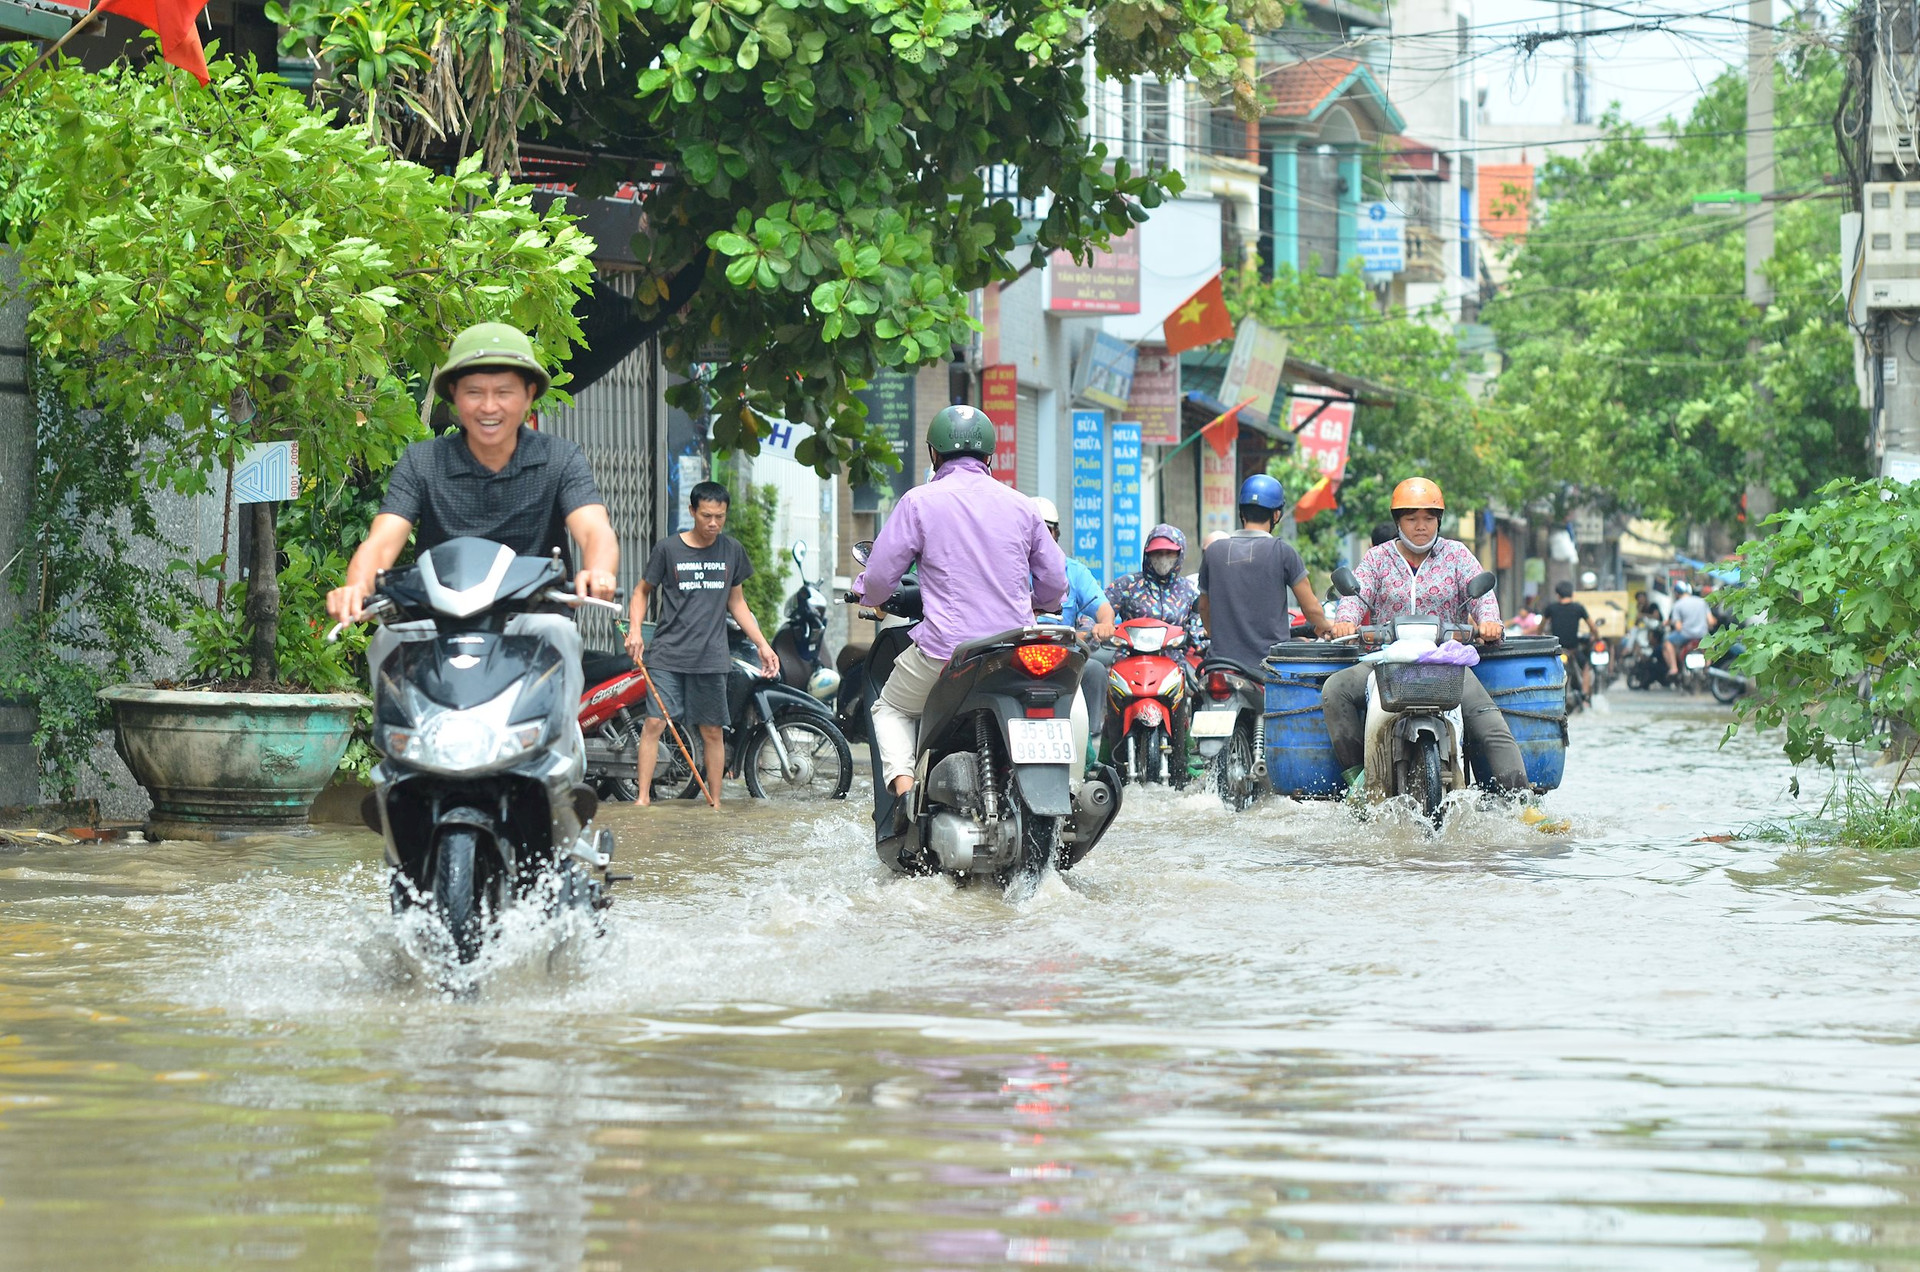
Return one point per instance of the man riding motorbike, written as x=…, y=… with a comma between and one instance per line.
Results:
x=987, y=565
x=1157, y=590
x=493, y=479
x=1419, y=573
x=1245, y=578
x=1690, y=620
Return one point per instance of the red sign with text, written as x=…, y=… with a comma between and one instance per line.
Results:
x=1000, y=399
x=1324, y=441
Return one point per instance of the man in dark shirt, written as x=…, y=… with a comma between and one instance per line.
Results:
x=1563, y=619
x=494, y=479
x=697, y=575
x=1245, y=578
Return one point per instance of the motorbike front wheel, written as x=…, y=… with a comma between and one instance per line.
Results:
x=1424, y=775
x=457, y=890
x=822, y=762
x=1726, y=689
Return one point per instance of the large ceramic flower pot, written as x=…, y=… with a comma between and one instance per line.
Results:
x=220, y=765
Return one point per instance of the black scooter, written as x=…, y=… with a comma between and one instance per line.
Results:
x=478, y=794
x=991, y=792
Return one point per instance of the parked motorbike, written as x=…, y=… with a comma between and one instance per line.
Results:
x=801, y=640
x=1415, y=734
x=1229, y=730
x=783, y=742
x=992, y=793
x=1148, y=707
x=477, y=793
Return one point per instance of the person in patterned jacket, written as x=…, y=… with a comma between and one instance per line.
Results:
x=1418, y=572
x=1159, y=590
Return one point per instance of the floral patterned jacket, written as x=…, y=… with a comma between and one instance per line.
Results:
x=1390, y=590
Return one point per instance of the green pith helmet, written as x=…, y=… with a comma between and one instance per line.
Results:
x=490, y=346
x=961, y=430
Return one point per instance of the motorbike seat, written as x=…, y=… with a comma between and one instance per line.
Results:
x=598, y=666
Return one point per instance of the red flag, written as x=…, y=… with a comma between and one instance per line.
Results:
x=1200, y=319
x=1318, y=499
x=174, y=21
x=1221, y=431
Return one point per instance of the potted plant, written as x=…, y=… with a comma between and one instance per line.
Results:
x=214, y=270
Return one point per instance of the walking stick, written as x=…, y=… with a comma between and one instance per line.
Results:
x=675, y=731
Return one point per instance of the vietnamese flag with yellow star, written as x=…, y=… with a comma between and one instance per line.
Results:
x=1199, y=320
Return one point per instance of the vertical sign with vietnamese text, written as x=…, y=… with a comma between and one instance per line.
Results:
x=890, y=405
x=1218, y=488
x=1155, y=397
x=1090, y=491
x=1323, y=442
x=1124, y=490
x=1000, y=399
x=1109, y=283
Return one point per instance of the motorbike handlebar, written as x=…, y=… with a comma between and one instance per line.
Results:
x=374, y=608
x=557, y=597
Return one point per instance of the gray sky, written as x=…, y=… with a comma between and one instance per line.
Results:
x=1651, y=74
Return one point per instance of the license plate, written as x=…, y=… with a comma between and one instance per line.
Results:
x=1696, y=661
x=1040, y=741
x=1214, y=724
x=1601, y=658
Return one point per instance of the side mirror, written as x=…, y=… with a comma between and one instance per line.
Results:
x=799, y=554
x=862, y=550
x=1346, y=583
x=1481, y=584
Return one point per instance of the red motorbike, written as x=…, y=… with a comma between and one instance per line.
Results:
x=1149, y=710
x=612, y=710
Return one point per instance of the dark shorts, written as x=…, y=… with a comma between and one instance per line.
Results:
x=692, y=698
x=1579, y=653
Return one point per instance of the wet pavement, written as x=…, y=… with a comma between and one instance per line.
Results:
x=1284, y=1039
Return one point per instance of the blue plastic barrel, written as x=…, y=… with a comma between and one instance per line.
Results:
x=1524, y=677
x=1300, y=759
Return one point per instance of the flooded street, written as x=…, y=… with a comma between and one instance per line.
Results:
x=1285, y=1039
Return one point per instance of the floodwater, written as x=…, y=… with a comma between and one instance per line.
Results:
x=1286, y=1039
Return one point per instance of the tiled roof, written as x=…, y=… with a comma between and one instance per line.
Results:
x=1300, y=88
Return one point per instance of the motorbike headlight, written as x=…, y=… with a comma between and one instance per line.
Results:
x=460, y=742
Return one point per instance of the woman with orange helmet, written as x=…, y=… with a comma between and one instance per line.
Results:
x=1419, y=572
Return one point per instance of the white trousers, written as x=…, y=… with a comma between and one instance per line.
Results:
x=897, y=712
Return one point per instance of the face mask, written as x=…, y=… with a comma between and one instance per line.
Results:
x=1418, y=549
x=1160, y=569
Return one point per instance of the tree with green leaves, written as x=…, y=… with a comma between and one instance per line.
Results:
x=1638, y=377
x=212, y=270
x=1433, y=429
x=828, y=202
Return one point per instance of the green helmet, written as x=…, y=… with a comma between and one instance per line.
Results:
x=961, y=430
x=490, y=346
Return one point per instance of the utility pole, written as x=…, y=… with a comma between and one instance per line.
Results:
x=19, y=762
x=1760, y=223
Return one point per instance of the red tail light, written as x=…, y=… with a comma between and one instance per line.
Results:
x=1217, y=687
x=1040, y=660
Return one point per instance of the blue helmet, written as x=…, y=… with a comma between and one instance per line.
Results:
x=1262, y=491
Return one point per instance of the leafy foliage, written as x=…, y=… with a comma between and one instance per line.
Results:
x=827, y=209
x=1630, y=377
x=1837, y=583
x=1433, y=429
x=213, y=270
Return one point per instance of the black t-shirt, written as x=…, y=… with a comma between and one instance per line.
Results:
x=1246, y=579
x=1564, y=619
x=691, y=586
x=445, y=492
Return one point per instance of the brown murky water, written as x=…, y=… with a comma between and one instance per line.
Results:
x=1287, y=1039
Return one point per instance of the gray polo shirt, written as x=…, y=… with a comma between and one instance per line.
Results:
x=445, y=492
